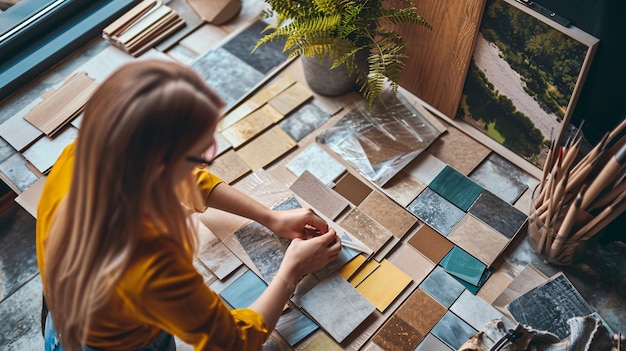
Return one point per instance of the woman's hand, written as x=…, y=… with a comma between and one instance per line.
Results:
x=301, y=223
x=306, y=256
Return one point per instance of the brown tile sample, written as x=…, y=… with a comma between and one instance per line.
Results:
x=353, y=189
x=412, y=262
x=319, y=196
x=250, y=126
x=421, y=311
x=365, y=229
x=430, y=243
x=229, y=167
x=403, y=188
x=386, y=212
x=478, y=239
x=397, y=335
x=459, y=150
x=266, y=148
x=291, y=98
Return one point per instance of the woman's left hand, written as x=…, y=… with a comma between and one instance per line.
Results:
x=299, y=223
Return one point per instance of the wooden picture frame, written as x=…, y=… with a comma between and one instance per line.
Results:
x=523, y=82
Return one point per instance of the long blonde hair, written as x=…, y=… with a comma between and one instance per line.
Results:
x=142, y=119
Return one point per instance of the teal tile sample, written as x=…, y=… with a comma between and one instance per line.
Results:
x=244, y=290
x=453, y=331
x=442, y=286
x=294, y=326
x=498, y=214
x=434, y=210
x=475, y=288
x=456, y=188
x=464, y=266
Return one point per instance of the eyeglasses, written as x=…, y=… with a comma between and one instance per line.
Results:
x=206, y=158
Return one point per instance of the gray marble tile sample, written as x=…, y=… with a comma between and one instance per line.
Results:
x=244, y=290
x=453, y=331
x=265, y=57
x=21, y=318
x=498, y=214
x=264, y=247
x=303, y=121
x=336, y=306
x=294, y=326
x=436, y=211
x=228, y=75
x=431, y=343
x=15, y=170
x=474, y=310
x=319, y=196
x=44, y=152
x=456, y=187
x=442, y=286
x=501, y=177
x=318, y=162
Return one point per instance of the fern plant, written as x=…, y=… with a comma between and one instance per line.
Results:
x=339, y=29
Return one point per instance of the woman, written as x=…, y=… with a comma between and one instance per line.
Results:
x=115, y=242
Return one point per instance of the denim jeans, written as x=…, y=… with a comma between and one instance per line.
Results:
x=163, y=342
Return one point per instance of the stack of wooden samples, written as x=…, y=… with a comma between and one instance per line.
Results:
x=144, y=26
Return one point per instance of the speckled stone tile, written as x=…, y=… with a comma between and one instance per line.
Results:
x=421, y=311
x=425, y=167
x=403, y=188
x=456, y=188
x=21, y=318
x=221, y=69
x=304, y=120
x=453, y=331
x=265, y=57
x=266, y=148
x=479, y=239
x=43, y=153
x=244, y=290
x=318, y=162
x=229, y=167
x=352, y=188
x=431, y=343
x=397, y=335
x=293, y=325
x=430, y=243
x=501, y=177
x=474, y=310
x=365, y=229
x=411, y=262
x=318, y=195
x=498, y=214
x=436, y=211
x=459, y=150
x=386, y=212
x=442, y=287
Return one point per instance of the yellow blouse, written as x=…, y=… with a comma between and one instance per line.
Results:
x=160, y=290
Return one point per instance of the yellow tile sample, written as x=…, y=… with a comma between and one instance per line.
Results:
x=384, y=284
x=368, y=268
x=348, y=269
x=266, y=148
x=250, y=126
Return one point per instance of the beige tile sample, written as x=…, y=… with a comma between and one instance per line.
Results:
x=386, y=212
x=215, y=255
x=320, y=341
x=384, y=285
x=353, y=189
x=425, y=167
x=291, y=98
x=266, y=148
x=318, y=195
x=479, y=239
x=17, y=131
x=250, y=126
x=365, y=229
x=403, y=188
x=29, y=199
x=459, y=150
x=430, y=243
x=411, y=262
x=229, y=167
x=43, y=153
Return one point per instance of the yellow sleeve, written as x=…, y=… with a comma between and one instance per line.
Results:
x=206, y=182
x=174, y=298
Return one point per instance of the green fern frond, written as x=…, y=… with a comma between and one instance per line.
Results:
x=402, y=15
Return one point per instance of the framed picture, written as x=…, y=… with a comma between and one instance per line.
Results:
x=524, y=78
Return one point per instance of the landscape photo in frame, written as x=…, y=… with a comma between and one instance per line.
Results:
x=524, y=79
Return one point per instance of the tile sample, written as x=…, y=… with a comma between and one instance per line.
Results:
x=265, y=57
x=411, y=262
x=291, y=98
x=384, y=285
x=264, y=247
x=21, y=317
x=215, y=255
x=389, y=214
x=431, y=343
x=17, y=131
x=348, y=310
x=294, y=326
x=425, y=167
x=363, y=272
x=219, y=69
x=498, y=214
x=318, y=195
x=229, y=167
x=529, y=278
x=318, y=162
x=15, y=170
x=442, y=286
x=222, y=144
x=244, y=290
x=474, y=310
x=351, y=267
x=250, y=126
x=321, y=341
x=421, y=311
x=430, y=243
x=353, y=189
x=436, y=211
x=43, y=153
x=403, y=188
x=456, y=188
x=303, y=121
x=501, y=177
x=453, y=331
x=459, y=150
x=266, y=148
x=346, y=255
x=397, y=335
x=365, y=229
x=29, y=199
x=478, y=239
x=464, y=266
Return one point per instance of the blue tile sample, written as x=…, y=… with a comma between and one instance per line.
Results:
x=294, y=326
x=498, y=214
x=501, y=177
x=303, y=121
x=456, y=187
x=453, y=331
x=265, y=57
x=436, y=211
x=244, y=290
x=462, y=265
x=442, y=286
